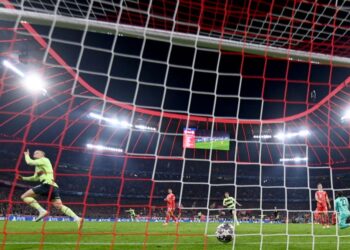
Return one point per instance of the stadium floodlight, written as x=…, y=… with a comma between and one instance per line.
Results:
x=294, y=159
x=32, y=82
x=346, y=116
x=116, y=122
x=12, y=67
x=112, y=121
x=125, y=124
x=143, y=127
x=95, y=116
x=103, y=148
x=262, y=136
x=301, y=133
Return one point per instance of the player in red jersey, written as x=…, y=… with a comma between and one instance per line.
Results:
x=322, y=200
x=170, y=199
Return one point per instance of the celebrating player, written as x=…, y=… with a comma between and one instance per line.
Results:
x=44, y=174
x=230, y=203
x=342, y=208
x=131, y=213
x=321, y=197
x=170, y=199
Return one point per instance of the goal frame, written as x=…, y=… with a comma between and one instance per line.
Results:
x=176, y=37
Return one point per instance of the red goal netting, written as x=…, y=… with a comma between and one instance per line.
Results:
x=262, y=84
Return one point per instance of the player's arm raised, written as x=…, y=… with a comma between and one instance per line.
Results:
x=30, y=161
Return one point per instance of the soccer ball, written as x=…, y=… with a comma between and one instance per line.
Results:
x=224, y=232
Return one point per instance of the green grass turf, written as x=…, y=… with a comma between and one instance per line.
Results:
x=218, y=145
x=98, y=235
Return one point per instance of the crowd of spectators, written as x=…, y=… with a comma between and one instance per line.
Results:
x=93, y=194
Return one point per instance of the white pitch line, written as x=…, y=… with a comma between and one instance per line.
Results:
x=106, y=244
x=162, y=243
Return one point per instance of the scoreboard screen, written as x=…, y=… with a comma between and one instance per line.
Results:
x=203, y=139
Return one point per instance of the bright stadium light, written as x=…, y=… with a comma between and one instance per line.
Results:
x=301, y=133
x=12, y=67
x=346, y=116
x=262, y=136
x=103, y=148
x=123, y=124
x=294, y=159
x=32, y=82
x=112, y=121
x=143, y=127
x=95, y=116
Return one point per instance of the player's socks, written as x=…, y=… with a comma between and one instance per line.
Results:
x=327, y=220
x=174, y=218
x=167, y=218
x=67, y=211
x=34, y=204
x=322, y=220
x=79, y=222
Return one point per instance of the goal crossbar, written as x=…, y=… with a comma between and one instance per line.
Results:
x=176, y=37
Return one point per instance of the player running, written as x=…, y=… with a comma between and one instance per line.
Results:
x=170, y=199
x=322, y=200
x=131, y=213
x=44, y=174
x=230, y=203
x=342, y=208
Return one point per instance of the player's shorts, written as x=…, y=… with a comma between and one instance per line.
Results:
x=44, y=190
x=321, y=208
x=171, y=210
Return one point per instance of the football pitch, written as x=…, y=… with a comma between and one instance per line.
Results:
x=131, y=235
x=218, y=145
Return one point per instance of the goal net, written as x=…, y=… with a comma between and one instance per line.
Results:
x=200, y=96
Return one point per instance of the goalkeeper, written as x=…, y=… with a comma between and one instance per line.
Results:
x=342, y=208
x=44, y=174
x=131, y=213
x=230, y=203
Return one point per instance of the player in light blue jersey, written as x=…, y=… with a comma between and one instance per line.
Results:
x=342, y=208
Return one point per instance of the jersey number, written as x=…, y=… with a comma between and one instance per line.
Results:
x=343, y=202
